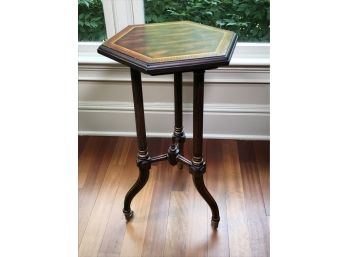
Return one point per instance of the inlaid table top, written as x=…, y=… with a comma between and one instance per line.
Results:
x=169, y=47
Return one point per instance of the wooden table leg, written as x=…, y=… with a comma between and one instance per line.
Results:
x=198, y=167
x=178, y=137
x=143, y=159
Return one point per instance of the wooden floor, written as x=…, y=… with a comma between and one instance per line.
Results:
x=171, y=218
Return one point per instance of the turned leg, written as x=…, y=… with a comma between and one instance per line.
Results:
x=198, y=167
x=178, y=137
x=143, y=159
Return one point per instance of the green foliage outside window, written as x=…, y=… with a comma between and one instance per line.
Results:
x=248, y=18
x=91, y=20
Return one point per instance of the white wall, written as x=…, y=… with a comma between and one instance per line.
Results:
x=236, y=100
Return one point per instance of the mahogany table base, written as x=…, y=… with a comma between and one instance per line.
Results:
x=174, y=155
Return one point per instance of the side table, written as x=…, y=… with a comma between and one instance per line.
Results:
x=167, y=48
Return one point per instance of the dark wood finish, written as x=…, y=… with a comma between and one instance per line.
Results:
x=172, y=47
x=178, y=101
x=171, y=218
x=198, y=100
x=198, y=166
x=89, y=166
x=257, y=220
x=179, y=134
x=82, y=144
x=262, y=153
x=143, y=159
x=166, y=68
x=201, y=188
x=158, y=49
x=138, y=185
x=171, y=41
x=139, y=113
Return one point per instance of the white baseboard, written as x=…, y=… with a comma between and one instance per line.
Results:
x=243, y=121
x=224, y=75
x=169, y=135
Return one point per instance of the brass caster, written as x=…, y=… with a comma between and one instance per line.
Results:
x=128, y=215
x=215, y=223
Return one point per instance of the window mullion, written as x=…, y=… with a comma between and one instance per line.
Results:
x=121, y=13
x=109, y=18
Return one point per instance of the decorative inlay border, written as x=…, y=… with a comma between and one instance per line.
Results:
x=220, y=50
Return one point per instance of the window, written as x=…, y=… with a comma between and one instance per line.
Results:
x=91, y=20
x=248, y=18
x=101, y=19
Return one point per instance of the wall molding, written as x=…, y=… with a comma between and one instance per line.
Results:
x=169, y=107
x=105, y=118
x=226, y=75
x=169, y=135
x=236, y=97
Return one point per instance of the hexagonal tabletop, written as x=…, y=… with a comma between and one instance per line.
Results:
x=169, y=47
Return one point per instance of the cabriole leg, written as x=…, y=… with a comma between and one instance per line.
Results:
x=143, y=159
x=198, y=167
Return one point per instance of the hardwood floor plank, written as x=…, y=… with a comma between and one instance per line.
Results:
x=257, y=219
x=218, y=243
x=82, y=141
x=157, y=223
x=238, y=234
x=88, y=194
x=94, y=233
x=90, y=159
x=238, y=226
x=123, y=148
x=178, y=214
x=133, y=242
x=176, y=235
x=197, y=244
x=181, y=177
x=170, y=216
x=114, y=234
x=262, y=153
x=92, y=238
